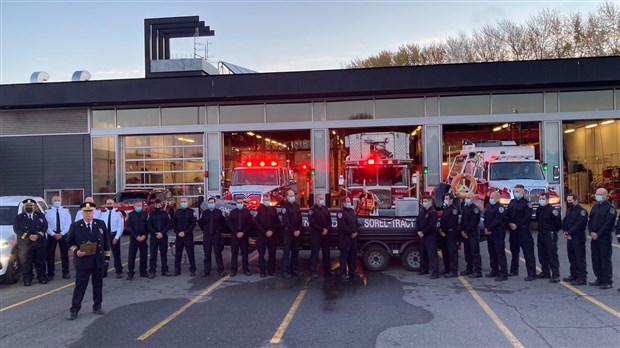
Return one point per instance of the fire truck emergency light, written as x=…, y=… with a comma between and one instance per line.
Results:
x=371, y=161
x=262, y=163
x=249, y=164
x=274, y=163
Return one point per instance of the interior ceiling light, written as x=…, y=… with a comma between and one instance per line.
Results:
x=592, y=125
x=608, y=122
x=497, y=129
x=259, y=136
x=250, y=134
x=505, y=125
x=569, y=130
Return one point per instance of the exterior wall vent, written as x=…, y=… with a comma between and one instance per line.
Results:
x=80, y=75
x=39, y=76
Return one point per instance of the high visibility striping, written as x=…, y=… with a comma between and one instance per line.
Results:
x=178, y=312
x=581, y=293
x=277, y=337
x=503, y=328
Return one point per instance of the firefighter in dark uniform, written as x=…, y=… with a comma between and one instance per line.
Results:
x=88, y=231
x=549, y=223
x=469, y=231
x=58, y=224
x=427, y=230
x=158, y=224
x=138, y=235
x=267, y=222
x=574, y=227
x=291, y=220
x=601, y=226
x=239, y=225
x=212, y=222
x=495, y=229
x=30, y=228
x=183, y=223
x=449, y=231
x=347, y=239
x=519, y=216
x=320, y=222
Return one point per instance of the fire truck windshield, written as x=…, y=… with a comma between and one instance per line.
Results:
x=392, y=176
x=255, y=176
x=516, y=170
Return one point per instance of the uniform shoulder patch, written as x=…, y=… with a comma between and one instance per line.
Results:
x=555, y=212
x=476, y=211
x=455, y=212
x=283, y=210
x=310, y=212
x=340, y=215
x=101, y=230
x=583, y=212
x=502, y=209
x=529, y=205
x=612, y=211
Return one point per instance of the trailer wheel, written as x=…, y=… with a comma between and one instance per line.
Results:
x=375, y=258
x=411, y=258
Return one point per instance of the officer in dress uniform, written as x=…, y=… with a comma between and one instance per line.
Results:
x=519, y=216
x=58, y=223
x=79, y=217
x=495, y=229
x=549, y=223
x=30, y=227
x=138, y=235
x=574, y=227
x=239, y=226
x=320, y=222
x=601, y=226
x=212, y=222
x=291, y=219
x=427, y=230
x=347, y=239
x=183, y=223
x=114, y=222
x=158, y=225
x=267, y=222
x=449, y=231
x=88, y=231
x=469, y=231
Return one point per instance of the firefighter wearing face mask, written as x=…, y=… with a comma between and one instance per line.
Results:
x=291, y=221
x=320, y=222
x=470, y=233
x=347, y=239
x=427, y=230
x=549, y=223
x=30, y=227
x=601, y=226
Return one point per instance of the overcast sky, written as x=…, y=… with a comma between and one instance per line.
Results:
x=106, y=37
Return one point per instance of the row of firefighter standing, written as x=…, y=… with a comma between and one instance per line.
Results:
x=148, y=238
x=515, y=220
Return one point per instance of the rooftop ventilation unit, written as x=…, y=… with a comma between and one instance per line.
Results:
x=80, y=75
x=39, y=76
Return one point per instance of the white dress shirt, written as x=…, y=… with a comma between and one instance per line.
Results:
x=116, y=221
x=65, y=220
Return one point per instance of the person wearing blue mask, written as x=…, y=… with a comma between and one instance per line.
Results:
x=266, y=222
x=427, y=231
x=469, y=231
x=549, y=223
x=519, y=216
x=183, y=223
x=347, y=239
x=138, y=232
x=291, y=221
x=239, y=225
x=495, y=229
x=449, y=232
x=158, y=225
x=574, y=226
x=320, y=222
x=58, y=223
x=601, y=225
x=212, y=222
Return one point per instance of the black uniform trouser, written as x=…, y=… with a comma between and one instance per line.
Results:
x=523, y=240
x=496, y=244
x=216, y=244
x=576, y=249
x=32, y=253
x=348, y=254
x=116, y=253
x=472, y=251
x=51, y=254
x=267, y=244
x=81, y=282
x=547, y=243
x=237, y=244
x=134, y=246
x=449, y=251
x=319, y=241
x=160, y=245
x=290, y=258
x=428, y=254
x=186, y=243
x=601, y=258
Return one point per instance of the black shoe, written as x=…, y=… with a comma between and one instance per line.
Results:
x=543, y=276
x=221, y=274
x=568, y=279
x=529, y=279
x=119, y=276
x=247, y=273
x=130, y=277
x=263, y=275
x=605, y=286
x=176, y=273
x=433, y=276
x=27, y=283
x=104, y=275
x=595, y=283
x=501, y=278
x=271, y=273
x=513, y=274
x=475, y=275
x=99, y=311
x=466, y=272
x=165, y=274
x=42, y=281
x=491, y=275
x=50, y=278
x=72, y=316
x=314, y=275
x=65, y=276
x=205, y=274
x=354, y=275
x=293, y=274
x=554, y=280
x=144, y=275
x=578, y=282
x=233, y=273
x=192, y=274
x=345, y=276
x=450, y=275
x=151, y=275
x=422, y=272
x=329, y=273
x=286, y=276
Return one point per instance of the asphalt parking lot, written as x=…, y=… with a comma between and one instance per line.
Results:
x=394, y=308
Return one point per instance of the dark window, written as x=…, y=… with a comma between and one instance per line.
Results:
x=7, y=215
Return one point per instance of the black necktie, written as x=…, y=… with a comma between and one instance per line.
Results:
x=109, y=220
x=57, y=220
x=88, y=227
